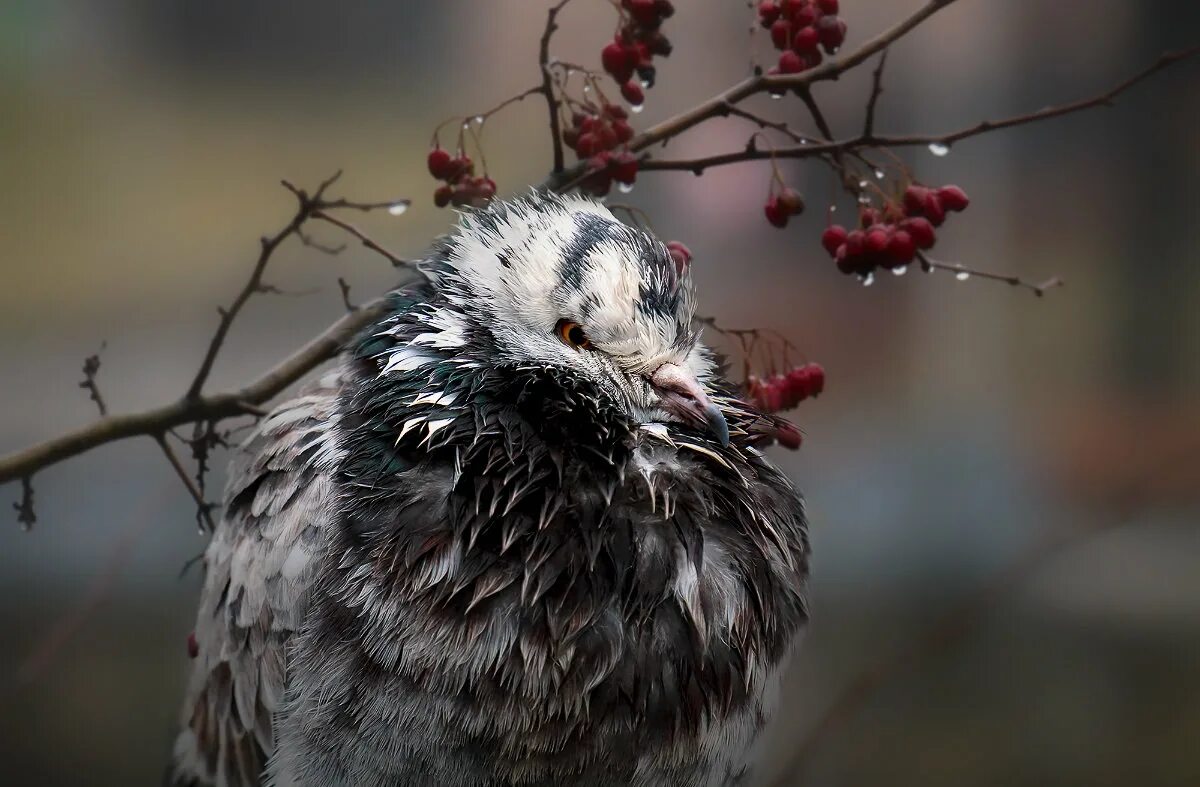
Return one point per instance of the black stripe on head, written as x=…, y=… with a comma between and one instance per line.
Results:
x=590, y=231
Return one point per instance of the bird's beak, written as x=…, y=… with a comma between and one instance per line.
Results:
x=682, y=395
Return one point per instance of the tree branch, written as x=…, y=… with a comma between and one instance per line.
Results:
x=91, y=366
x=203, y=507
x=397, y=262
x=962, y=272
x=547, y=88
x=243, y=401
x=812, y=150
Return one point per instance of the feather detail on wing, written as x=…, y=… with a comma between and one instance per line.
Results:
x=257, y=570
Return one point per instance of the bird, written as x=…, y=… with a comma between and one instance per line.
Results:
x=523, y=533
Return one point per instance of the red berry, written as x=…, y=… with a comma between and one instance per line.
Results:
x=623, y=130
x=932, y=207
x=768, y=12
x=643, y=11
x=441, y=196
x=632, y=92
x=791, y=201
x=798, y=384
x=914, y=199
x=901, y=248
x=828, y=6
x=832, y=238
x=876, y=240
x=790, y=63
x=624, y=167
x=781, y=34
x=790, y=8
x=606, y=137
x=832, y=32
x=854, y=243
x=775, y=213
x=665, y=8
x=806, y=16
x=570, y=136
x=845, y=262
x=486, y=188
x=586, y=145
x=921, y=231
x=816, y=379
x=193, y=647
x=867, y=217
x=953, y=198
x=612, y=57
x=439, y=163
x=806, y=40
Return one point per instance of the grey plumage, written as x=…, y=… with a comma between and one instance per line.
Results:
x=475, y=556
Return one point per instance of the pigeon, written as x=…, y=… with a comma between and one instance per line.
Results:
x=523, y=534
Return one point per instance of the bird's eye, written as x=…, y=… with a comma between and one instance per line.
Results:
x=572, y=335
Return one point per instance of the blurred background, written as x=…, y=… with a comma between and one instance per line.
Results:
x=141, y=145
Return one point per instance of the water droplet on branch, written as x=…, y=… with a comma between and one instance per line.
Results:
x=398, y=208
x=624, y=188
x=962, y=275
x=868, y=280
x=900, y=271
x=938, y=149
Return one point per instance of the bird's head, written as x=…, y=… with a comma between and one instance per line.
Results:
x=559, y=283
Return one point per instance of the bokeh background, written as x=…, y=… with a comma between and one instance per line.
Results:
x=141, y=145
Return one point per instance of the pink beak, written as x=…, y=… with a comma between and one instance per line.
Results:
x=682, y=395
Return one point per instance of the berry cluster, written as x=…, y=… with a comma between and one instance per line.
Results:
x=783, y=205
x=800, y=29
x=784, y=391
x=637, y=41
x=462, y=186
x=594, y=135
x=891, y=239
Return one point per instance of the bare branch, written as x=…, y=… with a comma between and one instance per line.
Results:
x=307, y=240
x=91, y=366
x=876, y=92
x=344, y=286
x=396, y=261
x=759, y=83
x=698, y=165
x=203, y=507
x=962, y=272
x=253, y=284
x=24, y=507
x=547, y=88
x=215, y=407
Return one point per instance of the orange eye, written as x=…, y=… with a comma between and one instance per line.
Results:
x=572, y=335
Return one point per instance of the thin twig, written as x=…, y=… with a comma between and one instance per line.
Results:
x=876, y=92
x=547, y=87
x=26, y=515
x=344, y=286
x=267, y=247
x=698, y=165
x=203, y=507
x=91, y=366
x=396, y=261
x=242, y=401
x=963, y=273
x=307, y=240
x=762, y=122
